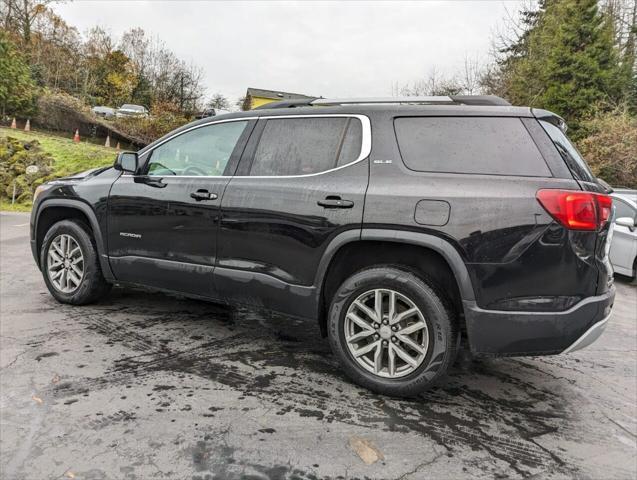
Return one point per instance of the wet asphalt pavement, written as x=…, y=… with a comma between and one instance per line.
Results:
x=145, y=385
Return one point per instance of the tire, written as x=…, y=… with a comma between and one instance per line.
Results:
x=92, y=285
x=442, y=339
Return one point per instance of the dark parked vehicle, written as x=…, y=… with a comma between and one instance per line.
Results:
x=211, y=112
x=399, y=225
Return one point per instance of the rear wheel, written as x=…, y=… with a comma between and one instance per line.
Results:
x=391, y=331
x=70, y=264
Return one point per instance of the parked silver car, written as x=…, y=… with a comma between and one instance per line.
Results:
x=623, y=250
x=130, y=110
x=105, y=112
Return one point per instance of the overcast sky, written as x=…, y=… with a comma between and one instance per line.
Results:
x=322, y=49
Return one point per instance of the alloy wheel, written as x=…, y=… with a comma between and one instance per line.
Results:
x=65, y=263
x=386, y=333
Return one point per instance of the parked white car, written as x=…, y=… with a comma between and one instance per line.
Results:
x=623, y=249
x=130, y=110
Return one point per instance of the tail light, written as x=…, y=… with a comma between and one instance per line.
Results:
x=577, y=210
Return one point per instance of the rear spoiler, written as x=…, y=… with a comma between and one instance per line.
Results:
x=550, y=117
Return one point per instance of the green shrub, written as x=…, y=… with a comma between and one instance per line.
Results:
x=15, y=156
x=610, y=148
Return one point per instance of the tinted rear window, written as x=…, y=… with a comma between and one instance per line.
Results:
x=300, y=146
x=569, y=153
x=480, y=145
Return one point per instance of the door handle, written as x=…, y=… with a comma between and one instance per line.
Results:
x=202, y=194
x=334, y=201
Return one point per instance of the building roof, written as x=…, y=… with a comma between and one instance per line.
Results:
x=274, y=94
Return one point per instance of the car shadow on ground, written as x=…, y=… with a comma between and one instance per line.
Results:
x=498, y=407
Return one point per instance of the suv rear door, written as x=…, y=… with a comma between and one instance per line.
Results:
x=301, y=181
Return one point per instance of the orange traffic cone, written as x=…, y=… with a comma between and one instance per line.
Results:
x=117, y=147
x=27, y=126
x=13, y=124
x=107, y=143
x=76, y=137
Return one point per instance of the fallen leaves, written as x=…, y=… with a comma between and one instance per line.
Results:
x=366, y=450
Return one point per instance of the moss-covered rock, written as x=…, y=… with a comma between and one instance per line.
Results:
x=15, y=156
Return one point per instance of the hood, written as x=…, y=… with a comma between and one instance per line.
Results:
x=92, y=172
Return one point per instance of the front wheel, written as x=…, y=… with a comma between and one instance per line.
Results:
x=391, y=331
x=70, y=264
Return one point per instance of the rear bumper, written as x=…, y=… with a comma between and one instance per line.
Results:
x=503, y=333
x=589, y=336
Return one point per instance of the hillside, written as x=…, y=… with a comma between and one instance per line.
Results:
x=68, y=157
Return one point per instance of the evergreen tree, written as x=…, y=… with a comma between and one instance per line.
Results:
x=17, y=89
x=566, y=62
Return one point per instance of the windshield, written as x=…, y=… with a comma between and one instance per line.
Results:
x=569, y=153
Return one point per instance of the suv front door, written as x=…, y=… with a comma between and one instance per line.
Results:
x=162, y=222
x=301, y=181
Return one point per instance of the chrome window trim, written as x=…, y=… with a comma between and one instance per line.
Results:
x=366, y=144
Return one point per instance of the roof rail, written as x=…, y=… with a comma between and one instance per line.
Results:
x=302, y=102
x=377, y=100
x=493, y=100
x=490, y=100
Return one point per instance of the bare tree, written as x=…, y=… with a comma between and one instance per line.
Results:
x=168, y=79
x=243, y=103
x=471, y=75
x=435, y=83
x=219, y=101
x=22, y=14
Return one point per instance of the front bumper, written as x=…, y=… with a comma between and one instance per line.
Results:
x=503, y=333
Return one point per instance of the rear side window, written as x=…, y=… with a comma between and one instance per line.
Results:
x=300, y=146
x=576, y=164
x=479, y=145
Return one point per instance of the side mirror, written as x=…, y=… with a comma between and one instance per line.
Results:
x=126, y=162
x=626, y=222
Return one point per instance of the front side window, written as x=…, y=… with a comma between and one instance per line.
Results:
x=301, y=146
x=476, y=145
x=204, y=151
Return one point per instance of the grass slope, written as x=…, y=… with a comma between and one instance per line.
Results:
x=69, y=157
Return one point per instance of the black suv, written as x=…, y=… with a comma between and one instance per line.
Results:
x=399, y=225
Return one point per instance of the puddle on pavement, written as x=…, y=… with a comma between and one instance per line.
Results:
x=498, y=407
